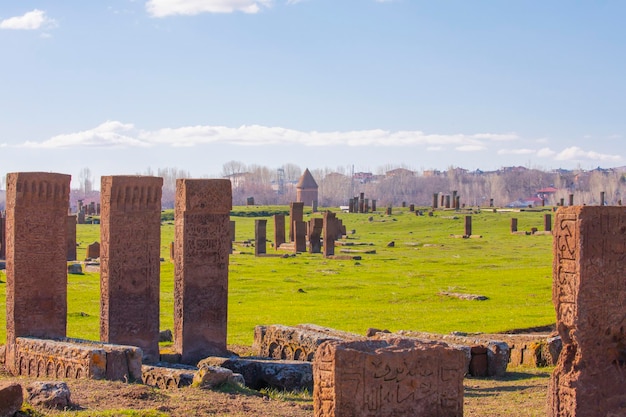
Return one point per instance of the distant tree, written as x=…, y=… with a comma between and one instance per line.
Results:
x=86, y=180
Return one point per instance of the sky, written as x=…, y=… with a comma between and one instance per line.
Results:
x=123, y=86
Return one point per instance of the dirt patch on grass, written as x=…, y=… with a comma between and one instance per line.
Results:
x=521, y=393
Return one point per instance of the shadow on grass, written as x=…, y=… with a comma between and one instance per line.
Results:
x=511, y=382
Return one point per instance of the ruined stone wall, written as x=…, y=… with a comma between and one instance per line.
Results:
x=36, y=222
x=202, y=243
x=589, y=296
x=130, y=235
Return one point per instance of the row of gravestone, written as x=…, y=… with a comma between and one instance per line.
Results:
x=37, y=241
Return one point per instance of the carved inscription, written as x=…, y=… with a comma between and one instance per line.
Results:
x=589, y=296
x=202, y=246
x=397, y=377
x=130, y=233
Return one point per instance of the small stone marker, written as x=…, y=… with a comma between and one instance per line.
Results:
x=393, y=377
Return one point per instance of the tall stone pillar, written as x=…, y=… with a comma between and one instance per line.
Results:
x=373, y=205
x=201, y=272
x=279, y=230
x=71, y=238
x=468, y=225
x=447, y=201
x=315, y=232
x=547, y=222
x=130, y=235
x=513, y=225
x=36, y=239
x=296, y=214
x=602, y=200
x=329, y=233
x=260, y=237
x=589, y=296
x=435, y=200
x=300, y=239
x=3, y=241
x=571, y=200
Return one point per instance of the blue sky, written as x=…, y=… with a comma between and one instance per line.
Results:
x=123, y=85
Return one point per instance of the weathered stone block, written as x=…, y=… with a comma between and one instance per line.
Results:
x=73, y=358
x=260, y=373
x=166, y=376
x=11, y=398
x=295, y=343
x=395, y=377
x=589, y=296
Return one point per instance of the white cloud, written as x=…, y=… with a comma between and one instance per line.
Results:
x=576, y=153
x=523, y=151
x=118, y=134
x=33, y=20
x=435, y=148
x=163, y=8
x=545, y=153
x=107, y=135
x=470, y=148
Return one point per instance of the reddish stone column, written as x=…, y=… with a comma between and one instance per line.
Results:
x=513, y=225
x=130, y=235
x=279, y=230
x=468, y=225
x=36, y=222
x=315, y=232
x=300, y=241
x=329, y=233
x=201, y=268
x=3, y=242
x=296, y=214
x=435, y=200
x=260, y=237
x=589, y=296
x=71, y=238
x=547, y=222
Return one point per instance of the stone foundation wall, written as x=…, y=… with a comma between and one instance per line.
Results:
x=73, y=358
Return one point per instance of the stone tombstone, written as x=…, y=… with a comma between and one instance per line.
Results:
x=513, y=225
x=296, y=214
x=315, y=233
x=454, y=193
x=329, y=233
x=491, y=202
x=81, y=216
x=562, y=202
x=602, y=199
x=547, y=222
x=361, y=205
x=447, y=201
x=92, y=208
x=260, y=237
x=589, y=296
x=412, y=208
x=201, y=268
x=314, y=206
x=435, y=200
x=373, y=205
x=80, y=205
x=130, y=235
x=458, y=203
x=393, y=377
x=468, y=226
x=279, y=230
x=250, y=201
x=93, y=251
x=36, y=239
x=571, y=199
x=366, y=204
x=71, y=238
x=300, y=242
x=389, y=211
x=3, y=243
x=172, y=251
x=351, y=205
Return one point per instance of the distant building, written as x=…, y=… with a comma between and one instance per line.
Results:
x=306, y=189
x=400, y=172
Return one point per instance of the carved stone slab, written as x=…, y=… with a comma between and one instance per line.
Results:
x=202, y=246
x=130, y=235
x=74, y=358
x=395, y=377
x=589, y=296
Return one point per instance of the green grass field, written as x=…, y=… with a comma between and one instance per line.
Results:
x=397, y=288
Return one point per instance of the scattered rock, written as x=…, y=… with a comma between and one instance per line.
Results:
x=11, y=398
x=372, y=331
x=75, y=269
x=49, y=394
x=461, y=296
x=259, y=373
x=209, y=376
x=391, y=244
x=166, y=336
